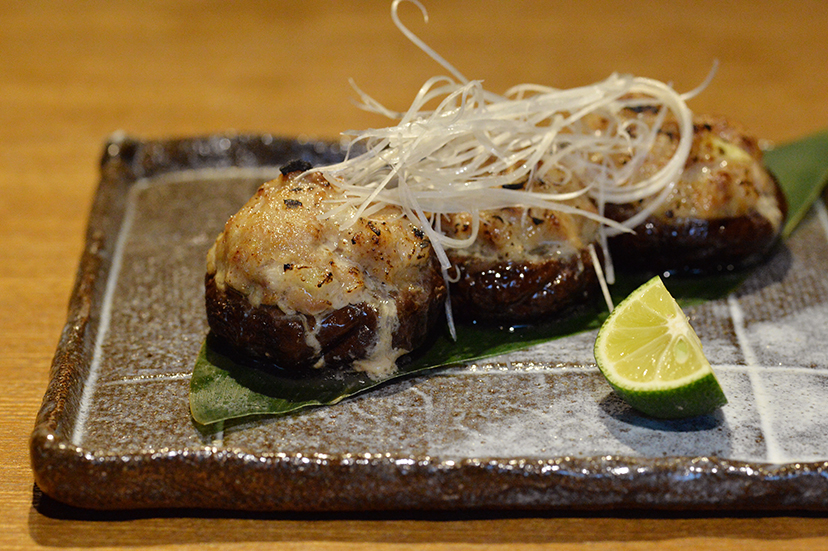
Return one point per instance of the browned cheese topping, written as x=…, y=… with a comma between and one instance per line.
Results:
x=526, y=234
x=723, y=177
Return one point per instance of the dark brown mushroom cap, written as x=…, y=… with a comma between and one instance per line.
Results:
x=518, y=292
x=343, y=336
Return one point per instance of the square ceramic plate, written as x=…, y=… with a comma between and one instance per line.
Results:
x=539, y=429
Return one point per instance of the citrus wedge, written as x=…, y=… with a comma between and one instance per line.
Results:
x=653, y=359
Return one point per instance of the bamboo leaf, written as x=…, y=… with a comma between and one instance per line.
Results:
x=226, y=386
x=802, y=170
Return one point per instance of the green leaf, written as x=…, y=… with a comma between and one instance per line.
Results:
x=802, y=170
x=225, y=386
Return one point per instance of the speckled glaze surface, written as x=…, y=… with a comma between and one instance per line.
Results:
x=537, y=430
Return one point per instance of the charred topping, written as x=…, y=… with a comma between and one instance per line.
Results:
x=297, y=165
x=292, y=203
x=672, y=136
x=287, y=267
x=517, y=185
x=373, y=228
x=653, y=109
x=327, y=279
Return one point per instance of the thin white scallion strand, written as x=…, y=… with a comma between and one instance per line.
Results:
x=609, y=266
x=418, y=41
x=701, y=87
x=596, y=262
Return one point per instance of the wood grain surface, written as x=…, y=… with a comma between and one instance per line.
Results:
x=71, y=73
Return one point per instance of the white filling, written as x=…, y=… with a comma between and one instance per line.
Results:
x=381, y=360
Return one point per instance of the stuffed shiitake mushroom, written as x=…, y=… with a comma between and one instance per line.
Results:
x=526, y=264
x=724, y=211
x=287, y=285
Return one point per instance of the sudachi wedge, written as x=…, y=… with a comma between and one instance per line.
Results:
x=653, y=359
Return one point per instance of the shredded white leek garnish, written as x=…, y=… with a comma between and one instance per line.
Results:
x=458, y=145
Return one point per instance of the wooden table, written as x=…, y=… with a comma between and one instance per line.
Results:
x=72, y=73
